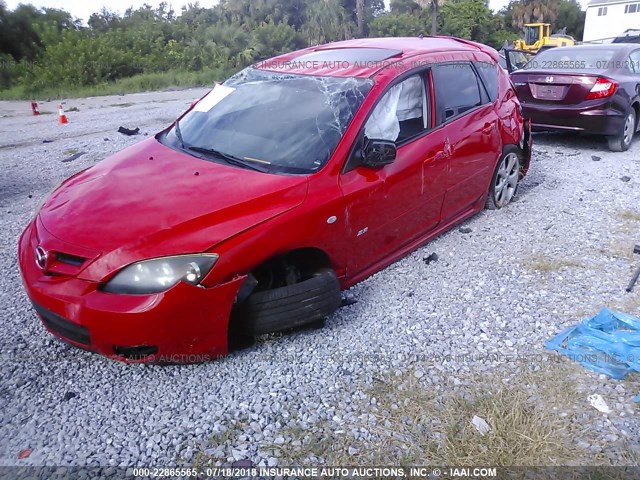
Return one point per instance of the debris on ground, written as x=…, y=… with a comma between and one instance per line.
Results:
x=595, y=158
x=465, y=230
x=480, y=425
x=598, y=403
x=625, y=179
x=71, y=158
x=128, y=131
x=25, y=453
x=431, y=258
x=346, y=301
x=69, y=395
x=47, y=141
x=636, y=274
x=608, y=343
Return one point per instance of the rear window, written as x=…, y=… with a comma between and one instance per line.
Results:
x=572, y=59
x=489, y=75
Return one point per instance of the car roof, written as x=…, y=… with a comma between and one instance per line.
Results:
x=366, y=56
x=598, y=46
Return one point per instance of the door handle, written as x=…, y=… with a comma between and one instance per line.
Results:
x=487, y=128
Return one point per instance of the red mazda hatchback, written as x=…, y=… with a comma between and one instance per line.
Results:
x=294, y=179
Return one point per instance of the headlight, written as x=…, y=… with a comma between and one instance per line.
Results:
x=160, y=274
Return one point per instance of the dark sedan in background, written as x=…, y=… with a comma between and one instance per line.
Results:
x=586, y=88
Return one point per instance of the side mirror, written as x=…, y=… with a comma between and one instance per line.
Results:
x=378, y=153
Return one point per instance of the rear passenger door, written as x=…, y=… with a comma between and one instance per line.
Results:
x=469, y=124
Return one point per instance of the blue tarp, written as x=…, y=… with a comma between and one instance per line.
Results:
x=608, y=343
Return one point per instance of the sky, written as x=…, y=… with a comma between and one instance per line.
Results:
x=83, y=9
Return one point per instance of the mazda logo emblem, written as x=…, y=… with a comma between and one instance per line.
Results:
x=41, y=257
x=549, y=79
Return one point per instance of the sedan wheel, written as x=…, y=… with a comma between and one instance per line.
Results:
x=505, y=181
x=622, y=141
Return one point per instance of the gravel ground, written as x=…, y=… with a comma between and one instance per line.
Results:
x=556, y=255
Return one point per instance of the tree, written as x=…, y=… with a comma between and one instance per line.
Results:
x=20, y=29
x=571, y=16
x=41, y=47
x=327, y=21
x=559, y=13
x=360, y=17
x=398, y=25
x=270, y=39
x=362, y=13
x=405, y=6
x=471, y=19
x=532, y=11
x=434, y=17
x=103, y=20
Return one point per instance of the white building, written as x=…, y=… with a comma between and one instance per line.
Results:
x=607, y=19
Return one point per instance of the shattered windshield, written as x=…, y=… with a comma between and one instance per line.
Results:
x=272, y=122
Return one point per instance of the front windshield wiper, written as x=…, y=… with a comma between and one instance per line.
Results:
x=178, y=133
x=230, y=159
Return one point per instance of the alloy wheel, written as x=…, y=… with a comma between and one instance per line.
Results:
x=506, y=180
x=628, y=129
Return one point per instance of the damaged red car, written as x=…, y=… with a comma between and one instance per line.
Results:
x=291, y=181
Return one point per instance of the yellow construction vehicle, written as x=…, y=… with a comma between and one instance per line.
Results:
x=537, y=36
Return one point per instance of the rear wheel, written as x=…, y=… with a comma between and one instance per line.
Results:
x=622, y=141
x=504, y=183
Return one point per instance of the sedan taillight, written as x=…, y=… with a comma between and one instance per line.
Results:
x=604, y=87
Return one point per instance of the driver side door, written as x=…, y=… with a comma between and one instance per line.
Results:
x=391, y=206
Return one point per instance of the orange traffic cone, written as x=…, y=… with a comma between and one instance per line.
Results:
x=61, y=116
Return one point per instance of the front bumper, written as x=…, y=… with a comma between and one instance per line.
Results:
x=599, y=119
x=185, y=324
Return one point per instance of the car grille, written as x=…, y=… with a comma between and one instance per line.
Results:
x=63, y=327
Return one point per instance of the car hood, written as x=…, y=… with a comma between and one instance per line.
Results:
x=150, y=200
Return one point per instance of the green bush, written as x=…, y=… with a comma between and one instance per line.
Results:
x=44, y=51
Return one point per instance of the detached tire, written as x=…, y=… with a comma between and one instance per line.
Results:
x=622, y=141
x=292, y=306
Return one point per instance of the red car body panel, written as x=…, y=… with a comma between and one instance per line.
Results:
x=122, y=183
x=150, y=201
x=132, y=319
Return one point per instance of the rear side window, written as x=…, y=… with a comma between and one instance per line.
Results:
x=489, y=75
x=634, y=62
x=457, y=90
